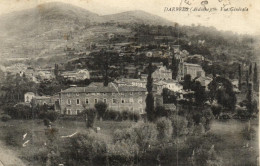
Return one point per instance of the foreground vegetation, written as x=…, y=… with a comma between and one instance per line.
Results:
x=167, y=141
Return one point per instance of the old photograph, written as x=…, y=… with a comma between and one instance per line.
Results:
x=129, y=82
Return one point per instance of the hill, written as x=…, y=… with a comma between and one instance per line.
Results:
x=47, y=29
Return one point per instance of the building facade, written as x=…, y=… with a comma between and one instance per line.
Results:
x=194, y=70
x=162, y=73
x=129, y=98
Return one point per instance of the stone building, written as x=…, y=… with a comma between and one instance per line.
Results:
x=28, y=97
x=194, y=70
x=75, y=99
x=162, y=73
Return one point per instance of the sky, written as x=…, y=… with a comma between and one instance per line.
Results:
x=238, y=22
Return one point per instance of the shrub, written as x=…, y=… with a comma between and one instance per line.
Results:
x=179, y=125
x=125, y=115
x=101, y=108
x=6, y=118
x=122, y=153
x=91, y=115
x=14, y=137
x=164, y=128
x=216, y=110
x=248, y=133
x=112, y=115
x=85, y=147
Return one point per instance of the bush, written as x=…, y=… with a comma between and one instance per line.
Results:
x=125, y=115
x=179, y=125
x=50, y=115
x=112, y=115
x=85, y=148
x=101, y=108
x=216, y=110
x=14, y=137
x=142, y=134
x=248, y=133
x=164, y=128
x=91, y=115
x=6, y=118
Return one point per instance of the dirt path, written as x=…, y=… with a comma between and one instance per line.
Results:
x=8, y=157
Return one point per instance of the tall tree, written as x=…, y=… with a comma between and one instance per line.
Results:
x=106, y=67
x=175, y=67
x=149, y=98
x=56, y=71
x=255, y=79
x=249, y=97
x=239, y=77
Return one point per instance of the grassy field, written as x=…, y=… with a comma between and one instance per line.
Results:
x=231, y=145
x=12, y=133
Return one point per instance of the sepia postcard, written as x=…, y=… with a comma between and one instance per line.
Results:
x=129, y=82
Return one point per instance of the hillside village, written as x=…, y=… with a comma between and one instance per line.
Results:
x=107, y=90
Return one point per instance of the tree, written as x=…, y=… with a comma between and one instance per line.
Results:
x=101, y=108
x=149, y=98
x=249, y=96
x=255, y=79
x=175, y=67
x=239, y=77
x=90, y=115
x=56, y=71
x=199, y=94
x=187, y=84
x=168, y=96
x=221, y=89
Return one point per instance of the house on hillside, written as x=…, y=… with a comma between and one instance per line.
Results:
x=162, y=73
x=28, y=97
x=204, y=81
x=194, y=70
x=76, y=75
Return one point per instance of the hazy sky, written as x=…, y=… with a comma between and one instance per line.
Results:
x=241, y=22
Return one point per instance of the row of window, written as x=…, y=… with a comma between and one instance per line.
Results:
x=131, y=93
x=69, y=112
x=131, y=100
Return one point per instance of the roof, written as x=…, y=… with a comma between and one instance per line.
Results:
x=41, y=97
x=29, y=93
x=131, y=89
x=103, y=89
x=191, y=64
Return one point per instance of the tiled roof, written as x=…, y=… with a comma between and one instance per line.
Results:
x=90, y=89
x=190, y=64
x=131, y=89
x=98, y=88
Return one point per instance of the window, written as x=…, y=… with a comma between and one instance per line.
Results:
x=69, y=102
x=78, y=112
x=87, y=102
x=65, y=112
x=122, y=101
x=140, y=100
x=105, y=100
x=69, y=112
x=77, y=94
x=131, y=93
x=96, y=101
x=114, y=101
x=131, y=100
x=78, y=101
